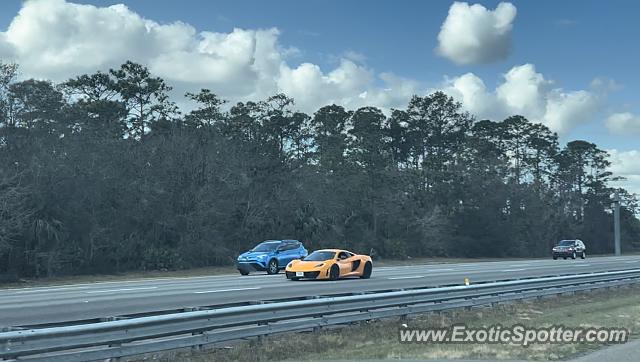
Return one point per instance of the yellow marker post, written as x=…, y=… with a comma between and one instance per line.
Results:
x=466, y=281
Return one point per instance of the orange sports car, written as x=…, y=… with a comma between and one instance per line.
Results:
x=330, y=264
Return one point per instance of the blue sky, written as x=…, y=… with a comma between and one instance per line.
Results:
x=569, y=42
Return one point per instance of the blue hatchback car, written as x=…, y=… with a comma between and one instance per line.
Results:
x=270, y=255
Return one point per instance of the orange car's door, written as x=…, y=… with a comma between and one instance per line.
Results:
x=347, y=263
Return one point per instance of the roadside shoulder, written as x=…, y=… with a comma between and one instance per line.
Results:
x=627, y=352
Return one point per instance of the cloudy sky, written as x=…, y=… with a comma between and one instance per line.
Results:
x=571, y=65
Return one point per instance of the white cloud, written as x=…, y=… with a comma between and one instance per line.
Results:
x=567, y=110
x=473, y=34
x=626, y=164
x=526, y=92
x=523, y=91
x=354, y=56
x=624, y=124
x=6, y=49
x=55, y=39
x=471, y=91
x=349, y=84
x=605, y=84
x=52, y=38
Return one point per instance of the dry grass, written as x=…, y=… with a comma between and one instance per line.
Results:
x=379, y=340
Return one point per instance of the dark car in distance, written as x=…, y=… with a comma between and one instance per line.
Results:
x=270, y=256
x=569, y=249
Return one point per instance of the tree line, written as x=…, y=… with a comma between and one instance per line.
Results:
x=104, y=173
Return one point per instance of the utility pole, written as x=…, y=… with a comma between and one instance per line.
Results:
x=616, y=221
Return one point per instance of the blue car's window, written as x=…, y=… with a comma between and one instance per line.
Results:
x=320, y=256
x=266, y=247
x=291, y=246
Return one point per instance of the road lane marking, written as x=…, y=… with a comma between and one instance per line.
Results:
x=434, y=271
x=230, y=277
x=226, y=290
x=417, y=267
x=513, y=270
x=407, y=277
x=55, y=289
x=403, y=266
x=119, y=290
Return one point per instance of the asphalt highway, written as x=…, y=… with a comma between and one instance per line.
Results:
x=33, y=306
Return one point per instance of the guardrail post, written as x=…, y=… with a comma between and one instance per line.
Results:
x=110, y=319
x=114, y=359
x=363, y=310
x=404, y=318
x=262, y=323
x=195, y=347
x=9, y=358
x=318, y=327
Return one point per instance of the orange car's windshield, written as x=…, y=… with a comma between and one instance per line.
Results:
x=320, y=256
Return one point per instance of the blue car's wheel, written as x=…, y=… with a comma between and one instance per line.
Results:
x=272, y=267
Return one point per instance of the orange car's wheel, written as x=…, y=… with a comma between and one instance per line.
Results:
x=366, y=273
x=334, y=273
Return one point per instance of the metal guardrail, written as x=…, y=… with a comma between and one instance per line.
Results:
x=128, y=337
